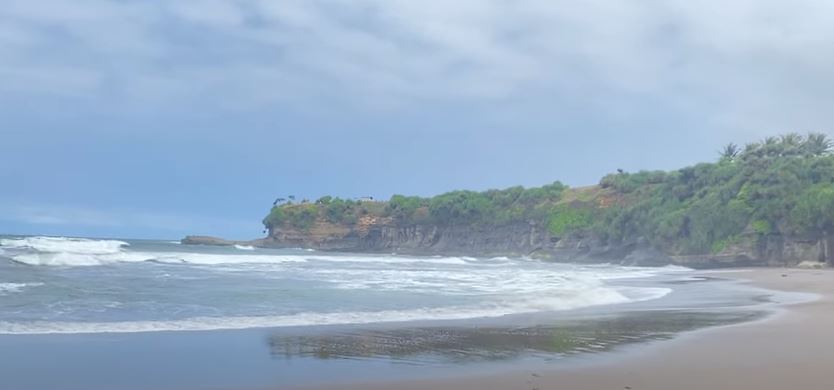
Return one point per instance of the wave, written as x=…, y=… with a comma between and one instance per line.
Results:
x=6, y=288
x=69, y=259
x=596, y=297
x=64, y=245
x=68, y=252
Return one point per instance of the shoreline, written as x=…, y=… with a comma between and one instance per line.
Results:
x=792, y=347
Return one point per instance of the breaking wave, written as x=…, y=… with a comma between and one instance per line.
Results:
x=64, y=245
x=68, y=252
x=601, y=296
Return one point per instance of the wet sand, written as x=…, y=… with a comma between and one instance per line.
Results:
x=792, y=349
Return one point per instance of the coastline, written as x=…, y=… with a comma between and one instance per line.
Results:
x=792, y=348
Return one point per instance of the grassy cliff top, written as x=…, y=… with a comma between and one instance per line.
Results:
x=779, y=185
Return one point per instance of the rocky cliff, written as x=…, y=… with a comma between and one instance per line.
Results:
x=385, y=235
x=374, y=234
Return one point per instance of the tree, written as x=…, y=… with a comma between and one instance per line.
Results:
x=752, y=150
x=814, y=210
x=791, y=144
x=339, y=211
x=730, y=152
x=817, y=144
x=403, y=207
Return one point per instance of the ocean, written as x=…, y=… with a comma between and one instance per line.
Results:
x=148, y=314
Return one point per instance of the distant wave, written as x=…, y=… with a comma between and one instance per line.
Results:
x=67, y=259
x=595, y=297
x=64, y=245
x=69, y=252
x=6, y=288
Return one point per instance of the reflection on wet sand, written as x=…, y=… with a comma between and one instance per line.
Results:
x=443, y=345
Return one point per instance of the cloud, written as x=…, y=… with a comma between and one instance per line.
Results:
x=734, y=70
x=747, y=57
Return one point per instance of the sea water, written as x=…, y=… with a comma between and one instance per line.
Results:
x=144, y=314
x=73, y=285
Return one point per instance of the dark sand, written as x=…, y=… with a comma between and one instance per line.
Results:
x=793, y=349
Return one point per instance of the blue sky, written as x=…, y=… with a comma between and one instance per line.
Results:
x=163, y=118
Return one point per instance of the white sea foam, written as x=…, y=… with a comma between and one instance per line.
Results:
x=67, y=259
x=77, y=252
x=64, y=245
x=7, y=288
x=245, y=247
x=457, y=287
x=602, y=296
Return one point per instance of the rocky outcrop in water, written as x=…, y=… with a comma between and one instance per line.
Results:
x=217, y=241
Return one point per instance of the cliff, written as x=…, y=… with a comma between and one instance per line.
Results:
x=380, y=234
x=385, y=235
x=768, y=204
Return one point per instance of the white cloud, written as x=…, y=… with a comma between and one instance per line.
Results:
x=745, y=64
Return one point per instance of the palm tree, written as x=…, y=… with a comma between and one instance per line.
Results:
x=730, y=152
x=791, y=144
x=817, y=144
x=771, y=146
x=752, y=150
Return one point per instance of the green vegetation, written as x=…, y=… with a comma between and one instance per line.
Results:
x=815, y=209
x=778, y=186
x=301, y=217
x=492, y=207
x=567, y=218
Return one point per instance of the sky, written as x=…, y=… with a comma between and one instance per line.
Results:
x=157, y=119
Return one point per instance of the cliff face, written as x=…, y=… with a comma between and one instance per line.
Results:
x=771, y=250
x=385, y=235
x=374, y=234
